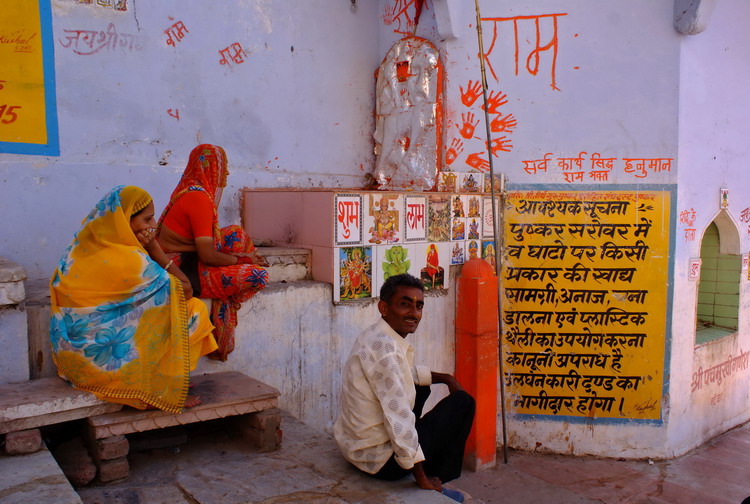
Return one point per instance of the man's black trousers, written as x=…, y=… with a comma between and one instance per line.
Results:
x=442, y=435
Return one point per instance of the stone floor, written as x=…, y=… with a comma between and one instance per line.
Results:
x=209, y=464
x=715, y=473
x=216, y=467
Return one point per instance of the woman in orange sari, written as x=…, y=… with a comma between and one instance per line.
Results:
x=221, y=263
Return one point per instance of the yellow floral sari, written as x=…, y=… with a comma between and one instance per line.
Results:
x=120, y=326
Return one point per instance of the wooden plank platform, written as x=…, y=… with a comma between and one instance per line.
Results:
x=223, y=395
x=46, y=401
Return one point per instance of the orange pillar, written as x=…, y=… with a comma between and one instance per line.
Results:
x=476, y=357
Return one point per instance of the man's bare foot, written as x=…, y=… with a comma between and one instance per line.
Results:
x=192, y=401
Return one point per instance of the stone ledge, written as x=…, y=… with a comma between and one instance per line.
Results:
x=46, y=401
x=223, y=394
x=10, y=271
x=34, y=478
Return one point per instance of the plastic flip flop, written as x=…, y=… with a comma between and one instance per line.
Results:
x=453, y=494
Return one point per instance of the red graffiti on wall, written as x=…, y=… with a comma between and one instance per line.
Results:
x=234, y=52
x=534, y=56
x=404, y=13
x=597, y=168
x=456, y=148
x=178, y=30
x=687, y=217
x=88, y=42
x=473, y=91
x=467, y=129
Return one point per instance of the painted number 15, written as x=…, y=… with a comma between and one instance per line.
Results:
x=7, y=114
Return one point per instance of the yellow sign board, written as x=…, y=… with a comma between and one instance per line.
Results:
x=585, y=288
x=28, y=119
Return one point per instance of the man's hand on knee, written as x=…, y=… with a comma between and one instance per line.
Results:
x=447, y=379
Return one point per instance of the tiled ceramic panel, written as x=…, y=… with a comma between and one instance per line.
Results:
x=458, y=228
x=415, y=218
x=447, y=182
x=473, y=228
x=458, y=252
x=352, y=273
x=473, y=250
x=488, y=187
x=487, y=228
x=347, y=210
x=470, y=182
x=433, y=260
x=458, y=205
x=391, y=260
x=383, y=218
x=474, y=205
x=439, y=218
x=488, y=252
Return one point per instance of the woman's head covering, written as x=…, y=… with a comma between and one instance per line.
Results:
x=116, y=314
x=206, y=168
x=206, y=171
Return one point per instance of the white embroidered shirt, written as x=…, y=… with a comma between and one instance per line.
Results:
x=377, y=400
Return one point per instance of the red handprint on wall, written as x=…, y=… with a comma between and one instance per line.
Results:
x=471, y=94
x=503, y=123
x=467, y=129
x=475, y=160
x=456, y=148
x=495, y=100
x=500, y=144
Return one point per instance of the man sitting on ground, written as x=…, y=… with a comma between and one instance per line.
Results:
x=381, y=429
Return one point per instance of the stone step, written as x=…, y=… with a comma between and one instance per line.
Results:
x=34, y=478
x=287, y=264
x=223, y=395
x=46, y=401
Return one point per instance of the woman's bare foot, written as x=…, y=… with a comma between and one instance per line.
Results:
x=192, y=401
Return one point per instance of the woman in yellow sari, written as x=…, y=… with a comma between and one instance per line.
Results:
x=123, y=327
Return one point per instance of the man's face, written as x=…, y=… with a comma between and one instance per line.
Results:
x=404, y=311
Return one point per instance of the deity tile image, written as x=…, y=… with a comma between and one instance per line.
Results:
x=391, y=260
x=458, y=206
x=472, y=249
x=487, y=183
x=488, y=253
x=383, y=218
x=470, y=182
x=458, y=229
x=474, y=229
x=447, y=181
x=439, y=218
x=355, y=273
x=395, y=261
x=474, y=207
x=434, y=258
x=458, y=252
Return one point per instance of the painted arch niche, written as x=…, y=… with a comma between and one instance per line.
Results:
x=719, y=285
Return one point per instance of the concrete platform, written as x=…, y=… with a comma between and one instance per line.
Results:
x=223, y=394
x=44, y=402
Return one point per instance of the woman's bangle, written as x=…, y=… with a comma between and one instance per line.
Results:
x=166, y=268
